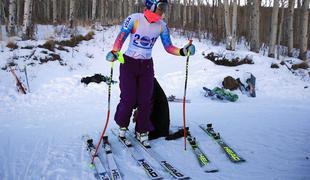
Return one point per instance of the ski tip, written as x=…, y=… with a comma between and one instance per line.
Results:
x=92, y=166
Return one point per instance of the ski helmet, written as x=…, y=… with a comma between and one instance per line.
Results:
x=154, y=4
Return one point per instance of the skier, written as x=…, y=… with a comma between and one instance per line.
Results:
x=137, y=73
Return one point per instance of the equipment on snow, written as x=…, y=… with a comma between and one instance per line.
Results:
x=108, y=113
x=203, y=160
x=95, y=161
x=20, y=87
x=251, y=85
x=26, y=75
x=184, y=96
x=141, y=161
x=113, y=169
x=176, y=135
x=173, y=98
x=97, y=78
x=231, y=154
x=177, y=174
x=221, y=94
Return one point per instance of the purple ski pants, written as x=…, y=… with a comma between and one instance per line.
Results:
x=136, y=83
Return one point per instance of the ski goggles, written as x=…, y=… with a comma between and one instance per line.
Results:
x=163, y=6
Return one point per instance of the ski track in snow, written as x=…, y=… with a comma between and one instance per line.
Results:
x=40, y=133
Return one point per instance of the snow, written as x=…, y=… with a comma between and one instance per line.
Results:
x=40, y=133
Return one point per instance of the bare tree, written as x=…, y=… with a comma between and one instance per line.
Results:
x=304, y=30
x=12, y=18
x=280, y=28
x=234, y=26
x=290, y=30
x=254, y=42
x=27, y=23
x=47, y=5
x=54, y=11
x=94, y=8
x=71, y=15
x=227, y=25
x=274, y=26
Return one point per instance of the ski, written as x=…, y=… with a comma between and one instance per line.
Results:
x=113, y=169
x=90, y=147
x=203, y=160
x=231, y=154
x=177, y=174
x=173, y=98
x=150, y=171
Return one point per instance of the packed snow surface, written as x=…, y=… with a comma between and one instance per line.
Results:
x=40, y=132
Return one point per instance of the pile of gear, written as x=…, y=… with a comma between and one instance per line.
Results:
x=246, y=86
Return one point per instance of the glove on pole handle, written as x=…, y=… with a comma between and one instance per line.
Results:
x=184, y=96
x=108, y=114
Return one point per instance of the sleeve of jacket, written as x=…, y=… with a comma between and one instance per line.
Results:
x=125, y=31
x=166, y=41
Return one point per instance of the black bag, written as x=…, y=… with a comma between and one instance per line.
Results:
x=160, y=113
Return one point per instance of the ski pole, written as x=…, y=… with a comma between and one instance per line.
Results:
x=184, y=96
x=121, y=59
x=25, y=69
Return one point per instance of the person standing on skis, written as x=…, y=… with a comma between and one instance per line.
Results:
x=137, y=73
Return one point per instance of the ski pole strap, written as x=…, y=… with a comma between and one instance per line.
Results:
x=120, y=57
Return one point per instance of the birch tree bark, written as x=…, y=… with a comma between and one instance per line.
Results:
x=12, y=18
x=280, y=29
x=94, y=8
x=290, y=30
x=234, y=26
x=254, y=43
x=200, y=18
x=103, y=12
x=27, y=23
x=304, y=30
x=227, y=25
x=71, y=13
x=274, y=26
x=130, y=6
x=47, y=4
x=19, y=11
x=184, y=14
x=54, y=11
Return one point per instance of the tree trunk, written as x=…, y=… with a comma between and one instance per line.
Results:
x=71, y=15
x=199, y=18
x=255, y=43
x=54, y=11
x=280, y=29
x=103, y=12
x=290, y=30
x=12, y=18
x=94, y=8
x=19, y=11
x=304, y=30
x=27, y=23
x=130, y=6
x=227, y=25
x=47, y=10
x=234, y=26
x=184, y=14
x=274, y=26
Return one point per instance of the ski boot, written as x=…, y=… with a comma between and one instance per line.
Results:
x=144, y=139
x=122, y=133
